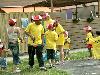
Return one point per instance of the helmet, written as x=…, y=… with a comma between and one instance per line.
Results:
x=50, y=26
x=66, y=33
x=12, y=22
x=45, y=15
x=89, y=28
x=36, y=18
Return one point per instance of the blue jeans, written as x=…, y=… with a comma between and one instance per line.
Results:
x=14, y=47
x=3, y=62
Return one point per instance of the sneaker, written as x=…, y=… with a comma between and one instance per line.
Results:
x=3, y=68
x=50, y=66
x=17, y=70
x=43, y=68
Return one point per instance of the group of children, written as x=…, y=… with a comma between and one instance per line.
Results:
x=48, y=33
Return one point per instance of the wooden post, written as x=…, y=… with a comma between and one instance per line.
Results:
x=76, y=12
x=23, y=9
x=98, y=8
x=34, y=8
x=51, y=5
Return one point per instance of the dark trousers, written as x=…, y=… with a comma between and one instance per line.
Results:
x=90, y=51
x=38, y=51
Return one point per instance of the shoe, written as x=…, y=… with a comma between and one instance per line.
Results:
x=3, y=68
x=43, y=68
x=50, y=66
x=17, y=70
x=57, y=63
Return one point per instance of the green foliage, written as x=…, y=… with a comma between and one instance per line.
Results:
x=90, y=19
x=75, y=20
x=79, y=55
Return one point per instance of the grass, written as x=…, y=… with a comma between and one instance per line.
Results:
x=79, y=55
x=34, y=71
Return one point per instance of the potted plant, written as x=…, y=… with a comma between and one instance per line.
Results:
x=75, y=20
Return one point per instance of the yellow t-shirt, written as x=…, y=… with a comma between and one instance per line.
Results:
x=61, y=39
x=47, y=22
x=36, y=31
x=51, y=38
x=67, y=43
x=89, y=37
x=96, y=47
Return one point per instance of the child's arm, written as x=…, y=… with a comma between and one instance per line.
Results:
x=67, y=41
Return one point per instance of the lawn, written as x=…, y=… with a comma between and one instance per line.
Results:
x=34, y=71
x=79, y=55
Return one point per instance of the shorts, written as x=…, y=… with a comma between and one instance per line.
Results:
x=50, y=54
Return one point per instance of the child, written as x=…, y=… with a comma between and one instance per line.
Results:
x=66, y=45
x=13, y=35
x=51, y=38
x=60, y=42
x=96, y=46
x=3, y=62
x=89, y=36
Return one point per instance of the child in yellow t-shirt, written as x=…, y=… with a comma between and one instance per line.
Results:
x=96, y=46
x=66, y=45
x=89, y=36
x=51, y=38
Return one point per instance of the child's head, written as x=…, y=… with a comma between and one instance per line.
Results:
x=12, y=22
x=37, y=19
x=98, y=33
x=50, y=27
x=87, y=29
x=55, y=24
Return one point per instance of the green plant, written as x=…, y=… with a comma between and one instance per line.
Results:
x=90, y=19
x=75, y=20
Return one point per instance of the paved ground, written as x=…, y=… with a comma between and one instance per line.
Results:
x=81, y=67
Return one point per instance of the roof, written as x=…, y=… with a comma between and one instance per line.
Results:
x=18, y=3
x=46, y=3
x=60, y=3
